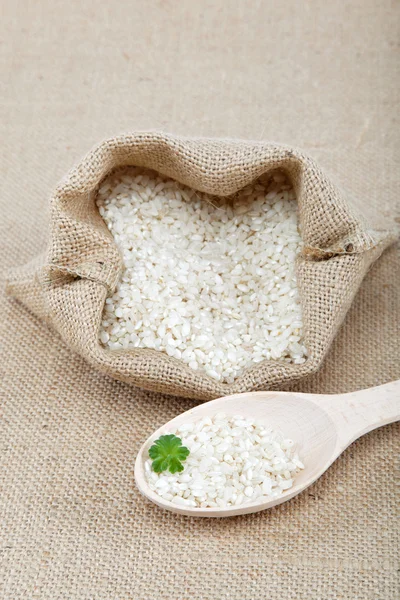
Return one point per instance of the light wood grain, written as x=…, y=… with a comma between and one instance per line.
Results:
x=321, y=425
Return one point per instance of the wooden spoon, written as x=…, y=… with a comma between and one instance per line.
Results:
x=322, y=426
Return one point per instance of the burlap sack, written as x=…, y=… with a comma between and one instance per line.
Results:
x=68, y=286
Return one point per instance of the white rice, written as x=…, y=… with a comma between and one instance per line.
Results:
x=209, y=281
x=232, y=461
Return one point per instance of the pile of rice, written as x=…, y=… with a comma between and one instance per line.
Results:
x=232, y=461
x=208, y=280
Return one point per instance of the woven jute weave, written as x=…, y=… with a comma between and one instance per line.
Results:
x=318, y=75
x=82, y=264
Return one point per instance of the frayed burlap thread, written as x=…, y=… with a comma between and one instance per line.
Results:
x=68, y=286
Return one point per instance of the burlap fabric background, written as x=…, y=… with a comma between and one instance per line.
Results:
x=321, y=76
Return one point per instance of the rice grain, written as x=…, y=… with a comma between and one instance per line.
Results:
x=209, y=281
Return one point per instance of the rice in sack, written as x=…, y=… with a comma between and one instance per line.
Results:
x=80, y=274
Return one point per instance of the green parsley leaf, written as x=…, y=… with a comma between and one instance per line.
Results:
x=167, y=453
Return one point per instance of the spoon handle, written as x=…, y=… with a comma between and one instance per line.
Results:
x=357, y=413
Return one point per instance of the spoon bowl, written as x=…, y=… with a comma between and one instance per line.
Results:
x=321, y=426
